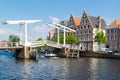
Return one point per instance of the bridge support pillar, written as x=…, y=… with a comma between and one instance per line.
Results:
x=24, y=53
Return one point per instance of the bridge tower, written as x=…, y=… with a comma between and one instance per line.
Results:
x=25, y=52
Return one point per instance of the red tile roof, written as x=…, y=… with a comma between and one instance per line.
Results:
x=77, y=20
x=52, y=31
x=115, y=23
x=2, y=43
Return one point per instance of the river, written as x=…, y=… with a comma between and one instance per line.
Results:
x=58, y=68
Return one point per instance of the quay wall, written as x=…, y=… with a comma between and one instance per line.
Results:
x=98, y=55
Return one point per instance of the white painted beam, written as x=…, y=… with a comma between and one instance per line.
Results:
x=22, y=21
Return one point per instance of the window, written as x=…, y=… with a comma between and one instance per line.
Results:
x=85, y=32
x=83, y=21
x=88, y=26
x=107, y=31
x=108, y=38
x=84, y=27
x=81, y=27
x=81, y=32
x=111, y=31
x=115, y=30
x=96, y=25
x=111, y=37
x=86, y=21
x=89, y=31
x=80, y=38
x=115, y=37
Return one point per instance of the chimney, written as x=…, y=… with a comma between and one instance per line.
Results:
x=99, y=22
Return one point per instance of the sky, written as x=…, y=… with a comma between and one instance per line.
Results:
x=49, y=10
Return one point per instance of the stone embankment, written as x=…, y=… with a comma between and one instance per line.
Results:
x=99, y=55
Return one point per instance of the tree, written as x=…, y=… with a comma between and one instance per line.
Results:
x=61, y=38
x=39, y=47
x=100, y=38
x=39, y=39
x=71, y=39
x=14, y=38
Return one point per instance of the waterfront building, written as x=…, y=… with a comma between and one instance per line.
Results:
x=74, y=23
x=87, y=31
x=51, y=34
x=3, y=43
x=64, y=23
x=113, y=36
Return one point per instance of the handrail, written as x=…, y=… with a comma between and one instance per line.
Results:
x=9, y=44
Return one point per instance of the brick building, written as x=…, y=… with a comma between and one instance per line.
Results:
x=87, y=29
x=113, y=35
x=74, y=23
x=51, y=34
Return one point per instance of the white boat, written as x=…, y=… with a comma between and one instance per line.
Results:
x=50, y=55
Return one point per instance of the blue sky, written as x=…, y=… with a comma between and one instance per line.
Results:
x=43, y=9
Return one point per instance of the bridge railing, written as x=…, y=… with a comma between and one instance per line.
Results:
x=73, y=46
x=53, y=43
x=9, y=44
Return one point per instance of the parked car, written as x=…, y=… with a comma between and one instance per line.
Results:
x=106, y=51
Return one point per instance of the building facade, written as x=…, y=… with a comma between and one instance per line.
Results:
x=87, y=29
x=113, y=36
x=51, y=34
x=74, y=23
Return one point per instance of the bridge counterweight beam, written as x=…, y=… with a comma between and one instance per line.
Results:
x=58, y=37
x=64, y=37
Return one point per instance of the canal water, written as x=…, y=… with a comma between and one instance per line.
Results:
x=58, y=68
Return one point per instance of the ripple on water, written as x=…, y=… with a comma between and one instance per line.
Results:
x=59, y=69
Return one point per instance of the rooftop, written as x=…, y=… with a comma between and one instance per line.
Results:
x=77, y=20
x=115, y=23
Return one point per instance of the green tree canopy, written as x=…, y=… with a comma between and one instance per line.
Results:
x=14, y=38
x=39, y=39
x=69, y=38
x=100, y=38
x=61, y=38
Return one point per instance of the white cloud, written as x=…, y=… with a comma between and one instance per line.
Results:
x=54, y=19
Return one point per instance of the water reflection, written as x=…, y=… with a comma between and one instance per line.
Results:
x=58, y=69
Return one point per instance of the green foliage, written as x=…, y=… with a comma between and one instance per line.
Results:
x=100, y=38
x=39, y=47
x=39, y=39
x=61, y=38
x=14, y=38
x=69, y=38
